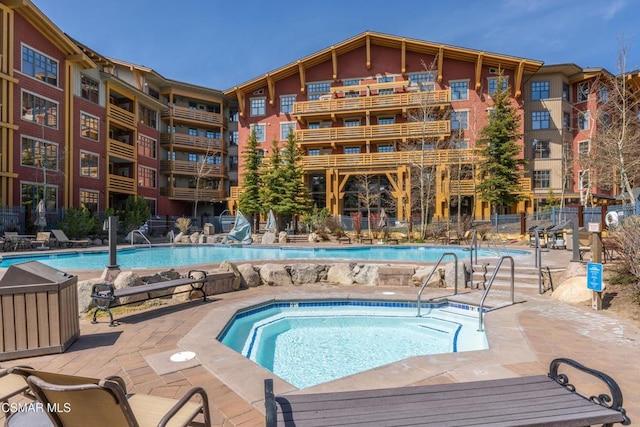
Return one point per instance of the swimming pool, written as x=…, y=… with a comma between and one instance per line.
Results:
x=184, y=255
x=311, y=342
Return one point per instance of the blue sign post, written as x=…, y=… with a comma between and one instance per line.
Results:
x=594, y=282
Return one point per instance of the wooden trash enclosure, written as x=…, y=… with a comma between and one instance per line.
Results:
x=38, y=311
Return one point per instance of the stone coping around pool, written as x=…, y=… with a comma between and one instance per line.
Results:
x=507, y=344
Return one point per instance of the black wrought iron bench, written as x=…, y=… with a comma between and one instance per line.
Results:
x=105, y=296
x=539, y=400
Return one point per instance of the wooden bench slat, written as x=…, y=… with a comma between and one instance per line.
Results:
x=151, y=287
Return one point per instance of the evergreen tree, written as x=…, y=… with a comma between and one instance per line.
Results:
x=249, y=200
x=295, y=194
x=502, y=164
x=271, y=193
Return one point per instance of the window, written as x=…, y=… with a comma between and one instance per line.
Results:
x=313, y=125
x=539, y=120
x=146, y=177
x=286, y=103
x=192, y=157
x=212, y=134
x=459, y=90
x=541, y=179
x=583, y=91
x=313, y=152
x=541, y=149
x=425, y=81
x=89, y=164
x=258, y=106
x=233, y=137
x=386, y=79
x=39, y=110
x=285, y=128
x=148, y=116
x=603, y=94
x=192, y=132
x=539, y=90
x=385, y=148
x=351, y=82
x=39, y=154
x=234, y=115
x=89, y=199
x=315, y=90
x=566, y=121
x=351, y=122
x=565, y=92
x=41, y=67
x=90, y=89
x=386, y=120
x=147, y=146
x=259, y=131
x=459, y=120
x=89, y=126
x=31, y=193
x=459, y=144
x=351, y=150
x=583, y=149
x=583, y=120
x=386, y=91
x=492, y=82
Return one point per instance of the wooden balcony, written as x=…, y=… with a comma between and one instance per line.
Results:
x=194, y=116
x=398, y=101
x=396, y=158
x=121, y=184
x=181, y=167
x=190, y=142
x=393, y=132
x=121, y=115
x=189, y=194
x=121, y=150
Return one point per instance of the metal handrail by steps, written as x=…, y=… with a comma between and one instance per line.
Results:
x=426, y=281
x=489, y=283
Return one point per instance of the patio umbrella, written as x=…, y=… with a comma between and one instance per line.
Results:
x=41, y=219
x=271, y=223
x=383, y=219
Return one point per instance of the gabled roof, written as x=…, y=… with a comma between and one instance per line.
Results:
x=526, y=66
x=59, y=39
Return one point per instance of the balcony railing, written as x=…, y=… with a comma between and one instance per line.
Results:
x=375, y=132
x=182, y=167
x=121, y=150
x=121, y=115
x=399, y=100
x=426, y=157
x=189, y=194
x=193, y=142
x=121, y=184
x=193, y=115
x=235, y=192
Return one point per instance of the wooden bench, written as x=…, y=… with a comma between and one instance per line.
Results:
x=345, y=239
x=105, y=296
x=548, y=400
x=393, y=241
x=368, y=240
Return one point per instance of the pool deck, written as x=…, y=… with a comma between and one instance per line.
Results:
x=523, y=339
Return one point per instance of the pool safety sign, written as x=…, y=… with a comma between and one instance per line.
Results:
x=594, y=276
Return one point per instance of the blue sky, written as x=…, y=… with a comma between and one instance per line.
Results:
x=219, y=44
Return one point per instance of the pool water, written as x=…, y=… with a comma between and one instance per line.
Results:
x=308, y=343
x=184, y=255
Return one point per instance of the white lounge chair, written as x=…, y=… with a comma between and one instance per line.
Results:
x=64, y=240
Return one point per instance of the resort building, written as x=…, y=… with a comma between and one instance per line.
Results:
x=392, y=115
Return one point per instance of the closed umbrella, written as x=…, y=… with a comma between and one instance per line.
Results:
x=383, y=219
x=41, y=211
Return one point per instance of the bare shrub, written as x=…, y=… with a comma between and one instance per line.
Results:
x=625, y=240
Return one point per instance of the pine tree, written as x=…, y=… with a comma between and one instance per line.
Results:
x=271, y=193
x=249, y=200
x=502, y=164
x=295, y=194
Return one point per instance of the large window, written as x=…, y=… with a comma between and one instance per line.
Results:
x=583, y=149
x=583, y=91
x=566, y=120
x=89, y=199
x=40, y=66
x=351, y=123
x=316, y=90
x=39, y=154
x=386, y=120
x=583, y=120
x=351, y=150
x=285, y=128
x=89, y=126
x=31, y=193
x=286, y=103
x=541, y=179
x=260, y=131
x=540, y=120
x=148, y=116
x=89, y=164
x=258, y=106
x=492, y=82
x=233, y=137
x=539, y=90
x=459, y=120
x=146, y=177
x=541, y=149
x=147, y=146
x=90, y=89
x=459, y=90
x=39, y=110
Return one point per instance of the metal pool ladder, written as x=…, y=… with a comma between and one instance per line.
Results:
x=424, y=285
x=489, y=283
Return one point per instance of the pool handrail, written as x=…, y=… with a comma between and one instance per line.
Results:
x=426, y=281
x=489, y=283
x=133, y=240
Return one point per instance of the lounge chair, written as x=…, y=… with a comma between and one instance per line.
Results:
x=42, y=240
x=64, y=240
x=105, y=402
x=10, y=385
